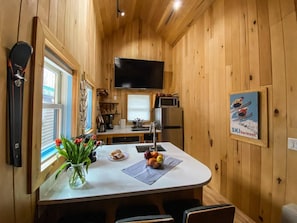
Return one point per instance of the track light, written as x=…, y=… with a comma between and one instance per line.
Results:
x=119, y=12
x=177, y=4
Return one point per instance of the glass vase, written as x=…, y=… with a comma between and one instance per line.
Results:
x=77, y=175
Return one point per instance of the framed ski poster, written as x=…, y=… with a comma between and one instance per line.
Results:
x=248, y=116
x=244, y=114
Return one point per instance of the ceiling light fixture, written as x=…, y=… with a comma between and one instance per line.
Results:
x=177, y=4
x=119, y=12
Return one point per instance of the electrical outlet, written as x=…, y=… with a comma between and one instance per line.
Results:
x=292, y=144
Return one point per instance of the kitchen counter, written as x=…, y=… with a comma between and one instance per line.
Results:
x=126, y=130
x=108, y=187
x=126, y=135
x=106, y=179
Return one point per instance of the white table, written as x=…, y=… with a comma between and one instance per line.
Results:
x=108, y=187
x=105, y=180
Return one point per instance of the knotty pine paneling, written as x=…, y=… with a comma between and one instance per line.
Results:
x=279, y=118
x=24, y=202
x=234, y=45
x=290, y=35
x=264, y=42
x=168, y=23
x=74, y=24
x=290, y=47
x=6, y=206
x=9, y=13
x=266, y=170
x=135, y=40
x=246, y=45
x=43, y=11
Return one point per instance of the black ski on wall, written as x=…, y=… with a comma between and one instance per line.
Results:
x=17, y=61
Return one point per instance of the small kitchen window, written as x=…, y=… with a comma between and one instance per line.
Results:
x=138, y=106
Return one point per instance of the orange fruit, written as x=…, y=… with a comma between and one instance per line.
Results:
x=151, y=161
x=154, y=154
x=156, y=165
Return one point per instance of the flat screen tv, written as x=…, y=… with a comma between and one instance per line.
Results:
x=139, y=74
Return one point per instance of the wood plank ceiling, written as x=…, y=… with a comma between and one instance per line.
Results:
x=158, y=14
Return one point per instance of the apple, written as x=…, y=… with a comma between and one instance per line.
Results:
x=147, y=154
x=159, y=159
x=154, y=154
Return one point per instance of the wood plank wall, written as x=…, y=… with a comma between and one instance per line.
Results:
x=74, y=24
x=136, y=40
x=236, y=46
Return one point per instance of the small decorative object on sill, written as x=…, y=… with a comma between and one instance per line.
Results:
x=77, y=155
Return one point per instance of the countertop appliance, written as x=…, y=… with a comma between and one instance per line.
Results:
x=163, y=102
x=108, y=121
x=170, y=121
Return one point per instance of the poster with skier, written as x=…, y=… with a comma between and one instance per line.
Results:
x=244, y=114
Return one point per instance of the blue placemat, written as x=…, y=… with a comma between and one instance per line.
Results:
x=149, y=175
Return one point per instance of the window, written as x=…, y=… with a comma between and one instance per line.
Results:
x=56, y=107
x=138, y=107
x=53, y=103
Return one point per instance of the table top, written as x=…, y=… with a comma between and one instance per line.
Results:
x=105, y=179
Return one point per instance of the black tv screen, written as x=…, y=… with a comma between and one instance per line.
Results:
x=141, y=74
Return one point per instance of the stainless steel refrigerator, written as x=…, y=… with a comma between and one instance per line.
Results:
x=170, y=121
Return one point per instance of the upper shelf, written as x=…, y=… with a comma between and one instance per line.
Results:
x=102, y=92
x=107, y=102
x=108, y=108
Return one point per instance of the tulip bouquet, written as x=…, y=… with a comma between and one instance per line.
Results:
x=76, y=153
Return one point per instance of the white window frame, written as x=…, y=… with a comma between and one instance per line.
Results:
x=62, y=124
x=137, y=108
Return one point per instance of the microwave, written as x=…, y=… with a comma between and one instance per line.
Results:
x=168, y=102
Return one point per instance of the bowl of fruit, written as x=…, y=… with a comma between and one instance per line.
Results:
x=154, y=159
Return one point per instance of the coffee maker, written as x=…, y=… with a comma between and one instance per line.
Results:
x=108, y=121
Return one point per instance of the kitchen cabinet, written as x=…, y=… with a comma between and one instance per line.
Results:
x=125, y=139
x=126, y=135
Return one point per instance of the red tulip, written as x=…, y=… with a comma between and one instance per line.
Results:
x=58, y=142
x=78, y=141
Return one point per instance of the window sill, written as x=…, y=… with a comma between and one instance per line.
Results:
x=49, y=162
